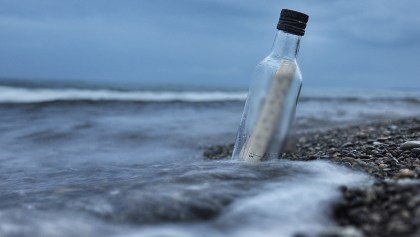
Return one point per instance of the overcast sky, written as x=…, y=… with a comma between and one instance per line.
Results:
x=207, y=43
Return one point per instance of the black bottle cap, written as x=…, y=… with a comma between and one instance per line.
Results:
x=292, y=22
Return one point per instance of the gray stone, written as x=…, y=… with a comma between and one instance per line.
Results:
x=406, y=173
x=410, y=145
x=383, y=139
x=383, y=166
x=347, y=144
x=416, y=151
x=392, y=127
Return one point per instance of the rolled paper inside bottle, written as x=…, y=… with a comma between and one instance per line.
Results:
x=258, y=143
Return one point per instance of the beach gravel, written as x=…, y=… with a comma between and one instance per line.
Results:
x=389, y=151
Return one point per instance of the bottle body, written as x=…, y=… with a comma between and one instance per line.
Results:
x=270, y=106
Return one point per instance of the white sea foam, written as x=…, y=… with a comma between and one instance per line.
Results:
x=36, y=95
x=299, y=202
x=10, y=94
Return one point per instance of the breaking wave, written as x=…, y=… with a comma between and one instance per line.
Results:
x=37, y=95
x=12, y=94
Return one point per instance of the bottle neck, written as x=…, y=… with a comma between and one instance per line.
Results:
x=285, y=45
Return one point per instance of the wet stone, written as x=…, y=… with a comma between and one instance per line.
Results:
x=347, y=144
x=218, y=152
x=361, y=135
x=406, y=173
x=414, y=129
x=392, y=127
x=383, y=166
x=410, y=145
x=416, y=151
x=370, y=147
x=383, y=139
x=370, y=141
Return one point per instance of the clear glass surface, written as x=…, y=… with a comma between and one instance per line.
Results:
x=270, y=106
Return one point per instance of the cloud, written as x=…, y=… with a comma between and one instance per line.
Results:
x=207, y=43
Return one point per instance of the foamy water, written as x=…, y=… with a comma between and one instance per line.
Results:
x=10, y=94
x=198, y=199
x=36, y=95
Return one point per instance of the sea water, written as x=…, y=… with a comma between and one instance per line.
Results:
x=96, y=162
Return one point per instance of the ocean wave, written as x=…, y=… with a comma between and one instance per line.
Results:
x=38, y=95
x=12, y=94
x=359, y=100
x=361, y=95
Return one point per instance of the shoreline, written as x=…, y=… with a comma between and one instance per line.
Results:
x=391, y=206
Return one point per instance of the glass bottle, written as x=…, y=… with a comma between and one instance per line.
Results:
x=270, y=106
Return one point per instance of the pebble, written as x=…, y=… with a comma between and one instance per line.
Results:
x=410, y=145
x=383, y=139
x=370, y=141
x=416, y=151
x=364, y=156
x=361, y=135
x=417, y=163
x=370, y=147
x=347, y=144
x=406, y=173
x=392, y=127
x=397, y=227
x=383, y=166
x=414, y=129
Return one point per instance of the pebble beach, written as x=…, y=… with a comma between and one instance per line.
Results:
x=389, y=152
